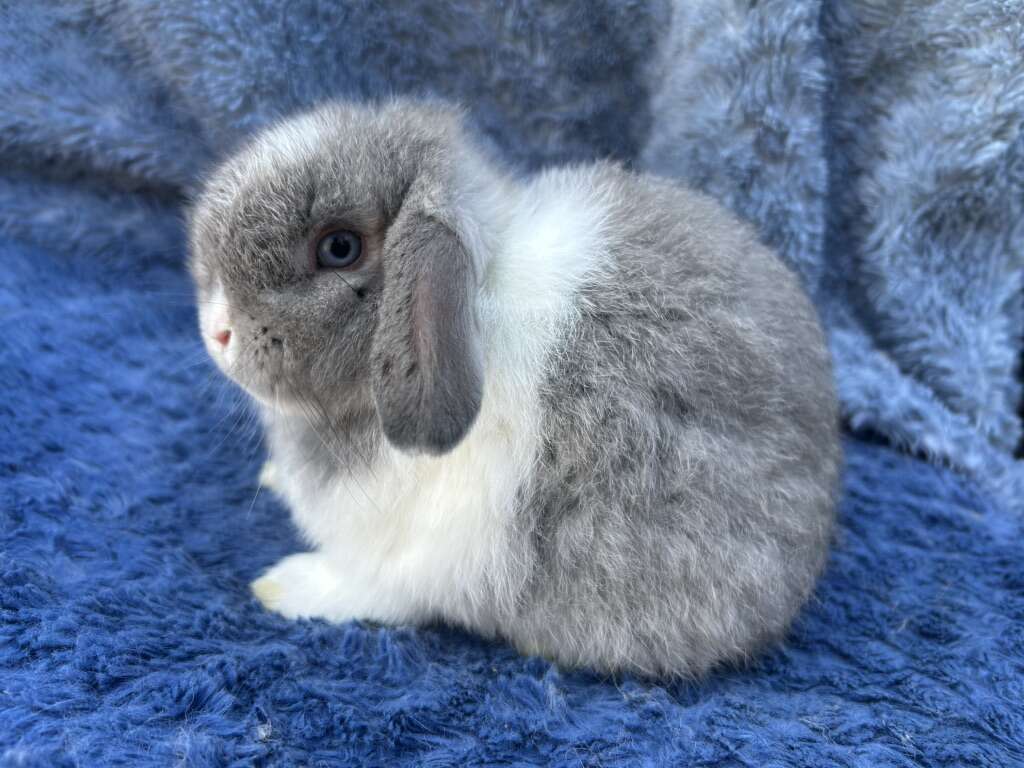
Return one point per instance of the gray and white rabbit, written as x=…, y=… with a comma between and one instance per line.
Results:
x=584, y=411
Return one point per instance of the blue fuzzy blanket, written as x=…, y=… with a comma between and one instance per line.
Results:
x=877, y=146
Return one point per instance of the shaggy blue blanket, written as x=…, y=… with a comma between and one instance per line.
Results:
x=878, y=147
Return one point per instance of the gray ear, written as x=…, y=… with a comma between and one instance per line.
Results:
x=427, y=366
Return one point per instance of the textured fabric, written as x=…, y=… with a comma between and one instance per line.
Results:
x=876, y=145
x=927, y=226
x=131, y=526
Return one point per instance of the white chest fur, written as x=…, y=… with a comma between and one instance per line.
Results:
x=416, y=536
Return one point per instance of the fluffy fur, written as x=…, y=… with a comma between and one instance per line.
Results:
x=585, y=411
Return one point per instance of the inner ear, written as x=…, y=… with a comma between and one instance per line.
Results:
x=427, y=365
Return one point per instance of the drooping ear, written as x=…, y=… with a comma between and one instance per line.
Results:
x=427, y=365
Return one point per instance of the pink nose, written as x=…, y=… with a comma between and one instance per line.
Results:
x=222, y=337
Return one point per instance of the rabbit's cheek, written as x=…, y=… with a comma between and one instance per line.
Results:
x=265, y=369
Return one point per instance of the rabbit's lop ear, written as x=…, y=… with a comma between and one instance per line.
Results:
x=427, y=365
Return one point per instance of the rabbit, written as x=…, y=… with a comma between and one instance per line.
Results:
x=584, y=411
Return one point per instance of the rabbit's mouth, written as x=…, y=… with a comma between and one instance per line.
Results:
x=274, y=392
x=251, y=353
x=260, y=368
x=275, y=381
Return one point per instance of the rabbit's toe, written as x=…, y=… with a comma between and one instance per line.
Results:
x=268, y=476
x=299, y=586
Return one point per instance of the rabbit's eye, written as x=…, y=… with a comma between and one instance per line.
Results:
x=338, y=249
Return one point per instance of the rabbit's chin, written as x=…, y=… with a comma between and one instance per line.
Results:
x=273, y=399
x=277, y=401
x=264, y=392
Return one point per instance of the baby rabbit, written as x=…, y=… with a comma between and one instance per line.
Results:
x=585, y=411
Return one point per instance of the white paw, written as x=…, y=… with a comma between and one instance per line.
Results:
x=268, y=475
x=302, y=586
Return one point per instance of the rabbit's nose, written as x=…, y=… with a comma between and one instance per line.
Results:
x=222, y=336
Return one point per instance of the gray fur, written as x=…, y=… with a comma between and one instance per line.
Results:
x=427, y=365
x=684, y=491
x=425, y=382
x=686, y=500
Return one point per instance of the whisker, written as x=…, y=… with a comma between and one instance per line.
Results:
x=304, y=408
x=359, y=294
x=212, y=378
x=194, y=360
x=252, y=504
x=323, y=410
x=240, y=414
x=310, y=412
x=185, y=297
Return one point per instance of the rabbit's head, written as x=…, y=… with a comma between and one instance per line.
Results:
x=336, y=259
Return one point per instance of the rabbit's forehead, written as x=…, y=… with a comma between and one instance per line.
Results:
x=340, y=166
x=293, y=176
x=335, y=150
x=275, y=209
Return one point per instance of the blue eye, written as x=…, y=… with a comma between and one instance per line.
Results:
x=339, y=249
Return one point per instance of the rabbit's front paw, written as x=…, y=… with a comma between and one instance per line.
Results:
x=268, y=475
x=301, y=586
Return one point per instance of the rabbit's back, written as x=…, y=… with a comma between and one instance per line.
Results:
x=687, y=469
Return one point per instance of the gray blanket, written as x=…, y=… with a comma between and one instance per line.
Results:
x=877, y=146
